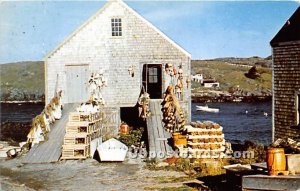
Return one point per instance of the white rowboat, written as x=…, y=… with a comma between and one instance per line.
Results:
x=112, y=150
x=207, y=109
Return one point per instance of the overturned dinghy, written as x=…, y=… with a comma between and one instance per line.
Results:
x=112, y=150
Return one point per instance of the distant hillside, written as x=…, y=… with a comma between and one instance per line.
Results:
x=230, y=72
x=22, y=81
x=252, y=61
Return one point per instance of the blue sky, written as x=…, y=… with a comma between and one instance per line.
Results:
x=206, y=29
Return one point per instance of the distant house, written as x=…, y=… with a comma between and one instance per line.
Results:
x=286, y=79
x=210, y=83
x=131, y=53
x=198, y=78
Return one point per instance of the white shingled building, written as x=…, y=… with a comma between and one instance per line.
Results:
x=130, y=51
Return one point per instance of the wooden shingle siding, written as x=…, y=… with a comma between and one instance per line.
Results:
x=94, y=45
x=286, y=68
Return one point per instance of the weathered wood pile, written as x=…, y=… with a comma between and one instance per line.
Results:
x=173, y=116
x=82, y=128
x=205, y=139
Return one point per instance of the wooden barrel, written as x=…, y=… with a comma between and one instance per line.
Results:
x=275, y=160
x=179, y=139
x=124, y=128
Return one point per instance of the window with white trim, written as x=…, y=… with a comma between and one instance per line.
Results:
x=153, y=75
x=116, y=27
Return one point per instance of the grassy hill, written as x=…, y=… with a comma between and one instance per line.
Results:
x=230, y=73
x=22, y=81
x=25, y=80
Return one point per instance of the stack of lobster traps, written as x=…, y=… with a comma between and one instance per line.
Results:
x=205, y=140
x=82, y=128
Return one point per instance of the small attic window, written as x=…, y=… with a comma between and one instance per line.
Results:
x=116, y=27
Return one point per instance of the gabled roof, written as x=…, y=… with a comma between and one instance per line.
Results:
x=290, y=30
x=132, y=11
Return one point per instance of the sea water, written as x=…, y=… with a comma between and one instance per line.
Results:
x=240, y=121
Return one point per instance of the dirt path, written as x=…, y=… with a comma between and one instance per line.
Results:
x=82, y=175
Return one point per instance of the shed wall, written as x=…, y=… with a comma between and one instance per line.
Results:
x=286, y=71
x=93, y=45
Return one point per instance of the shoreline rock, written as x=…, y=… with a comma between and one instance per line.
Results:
x=218, y=96
x=24, y=101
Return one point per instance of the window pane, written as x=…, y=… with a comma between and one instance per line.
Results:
x=150, y=79
x=150, y=71
x=116, y=26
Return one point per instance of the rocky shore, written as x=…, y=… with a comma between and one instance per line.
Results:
x=237, y=96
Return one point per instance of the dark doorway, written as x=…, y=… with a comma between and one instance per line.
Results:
x=152, y=80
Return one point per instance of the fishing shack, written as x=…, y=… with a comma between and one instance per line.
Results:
x=130, y=63
x=131, y=53
x=286, y=79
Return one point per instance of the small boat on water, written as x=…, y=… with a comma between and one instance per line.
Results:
x=207, y=109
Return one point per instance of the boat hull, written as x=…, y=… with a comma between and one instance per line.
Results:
x=207, y=109
x=112, y=150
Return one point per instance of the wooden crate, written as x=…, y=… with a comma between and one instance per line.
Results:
x=77, y=139
x=96, y=126
x=75, y=152
x=96, y=134
x=84, y=116
x=79, y=127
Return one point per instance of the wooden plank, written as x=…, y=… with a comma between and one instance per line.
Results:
x=156, y=134
x=155, y=131
x=154, y=127
x=159, y=126
x=150, y=135
x=150, y=132
x=164, y=133
x=150, y=128
x=50, y=150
